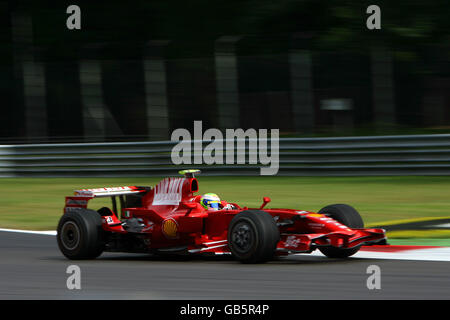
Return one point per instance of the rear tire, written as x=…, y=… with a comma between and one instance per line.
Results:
x=348, y=216
x=253, y=236
x=80, y=234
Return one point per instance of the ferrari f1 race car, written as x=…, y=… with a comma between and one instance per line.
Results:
x=170, y=218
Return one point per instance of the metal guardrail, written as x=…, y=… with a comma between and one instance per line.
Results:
x=341, y=156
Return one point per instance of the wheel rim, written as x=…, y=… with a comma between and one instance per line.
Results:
x=70, y=235
x=242, y=237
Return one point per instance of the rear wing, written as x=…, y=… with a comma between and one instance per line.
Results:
x=81, y=197
x=109, y=192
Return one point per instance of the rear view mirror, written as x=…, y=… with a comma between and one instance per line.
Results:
x=266, y=200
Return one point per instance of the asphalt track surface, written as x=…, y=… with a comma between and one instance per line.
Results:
x=31, y=267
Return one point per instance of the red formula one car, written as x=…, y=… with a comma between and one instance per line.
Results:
x=170, y=218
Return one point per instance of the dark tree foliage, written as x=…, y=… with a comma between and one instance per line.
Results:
x=407, y=25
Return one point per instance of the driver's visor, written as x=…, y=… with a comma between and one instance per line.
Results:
x=212, y=203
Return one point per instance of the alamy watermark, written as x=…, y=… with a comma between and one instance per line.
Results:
x=74, y=280
x=73, y=22
x=221, y=150
x=374, y=280
x=374, y=20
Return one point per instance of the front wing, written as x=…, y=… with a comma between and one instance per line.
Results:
x=304, y=243
x=298, y=243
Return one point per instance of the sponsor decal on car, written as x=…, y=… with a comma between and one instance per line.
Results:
x=316, y=215
x=74, y=202
x=170, y=228
x=292, y=242
x=71, y=209
x=106, y=192
x=315, y=225
x=109, y=219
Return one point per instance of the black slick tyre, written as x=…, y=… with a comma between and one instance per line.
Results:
x=253, y=236
x=80, y=234
x=348, y=216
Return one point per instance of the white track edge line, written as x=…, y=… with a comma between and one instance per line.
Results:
x=48, y=232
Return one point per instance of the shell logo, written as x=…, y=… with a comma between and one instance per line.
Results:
x=170, y=228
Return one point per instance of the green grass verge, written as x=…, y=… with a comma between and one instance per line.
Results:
x=35, y=203
x=420, y=242
x=409, y=234
x=404, y=221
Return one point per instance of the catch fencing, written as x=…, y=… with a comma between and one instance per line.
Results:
x=337, y=156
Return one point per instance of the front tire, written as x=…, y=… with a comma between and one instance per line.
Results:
x=80, y=234
x=253, y=236
x=348, y=216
